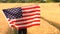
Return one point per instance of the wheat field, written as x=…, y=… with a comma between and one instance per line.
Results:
x=50, y=18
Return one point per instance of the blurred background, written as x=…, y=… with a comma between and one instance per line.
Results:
x=28, y=1
x=50, y=16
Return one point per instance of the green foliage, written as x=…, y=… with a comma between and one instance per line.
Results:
x=28, y=1
x=56, y=0
x=53, y=0
x=33, y=0
x=49, y=0
x=12, y=1
x=4, y=1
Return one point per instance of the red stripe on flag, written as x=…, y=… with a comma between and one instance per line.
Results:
x=30, y=7
x=31, y=11
x=23, y=20
x=28, y=26
x=28, y=22
x=31, y=15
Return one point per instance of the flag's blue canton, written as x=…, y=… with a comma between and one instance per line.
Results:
x=13, y=13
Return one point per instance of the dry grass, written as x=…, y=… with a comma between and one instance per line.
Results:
x=49, y=11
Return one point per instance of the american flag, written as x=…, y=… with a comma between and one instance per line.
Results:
x=23, y=17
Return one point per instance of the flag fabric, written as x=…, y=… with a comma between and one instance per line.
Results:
x=23, y=17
